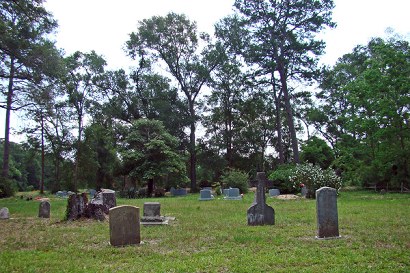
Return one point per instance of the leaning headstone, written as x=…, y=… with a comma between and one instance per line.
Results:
x=44, y=209
x=233, y=194
x=124, y=225
x=274, y=192
x=205, y=195
x=260, y=213
x=326, y=210
x=4, y=213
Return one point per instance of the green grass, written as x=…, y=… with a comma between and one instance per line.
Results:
x=213, y=236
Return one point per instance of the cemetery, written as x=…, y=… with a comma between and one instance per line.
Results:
x=214, y=236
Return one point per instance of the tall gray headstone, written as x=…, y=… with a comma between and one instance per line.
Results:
x=260, y=213
x=326, y=210
x=4, y=213
x=44, y=209
x=124, y=225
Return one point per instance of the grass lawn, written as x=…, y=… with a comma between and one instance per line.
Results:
x=213, y=236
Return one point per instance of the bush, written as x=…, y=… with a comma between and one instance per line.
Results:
x=281, y=178
x=313, y=177
x=6, y=188
x=235, y=179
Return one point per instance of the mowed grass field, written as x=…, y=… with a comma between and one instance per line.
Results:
x=213, y=236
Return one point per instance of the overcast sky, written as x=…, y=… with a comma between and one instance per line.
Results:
x=104, y=25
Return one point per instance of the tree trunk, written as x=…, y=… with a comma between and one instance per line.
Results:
x=42, y=155
x=192, y=151
x=150, y=187
x=6, y=153
x=77, y=159
x=289, y=114
x=279, y=128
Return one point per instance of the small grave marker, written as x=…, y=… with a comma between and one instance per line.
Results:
x=4, y=213
x=205, y=195
x=44, y=209
x=274, y=192
x=124, y=225
x=233, y=194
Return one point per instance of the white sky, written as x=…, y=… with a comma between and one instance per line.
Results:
x=104, y=25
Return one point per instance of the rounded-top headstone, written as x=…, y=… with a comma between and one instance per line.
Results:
x=44, y=209
x=124, y=225
x=326, y=209
x=4, y=213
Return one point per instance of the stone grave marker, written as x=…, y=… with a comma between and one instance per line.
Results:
x=205, y=195
x=225, y=192
x=76, y=206
x=326, y=210
x=233, y=194
x=44, y=209
x=260, y=213
x=178, y=192
x=274, y=192
x=152, y=214
x=4, y=213
x=124, y=225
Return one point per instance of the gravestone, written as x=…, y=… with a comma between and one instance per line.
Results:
x=106, y=198
x=4, y=213
x=76, y=206
x=124, y=225
x=152, y=209
x=260, y=213
x=92, y=193
x=326, y=210
x=274, y=192
x=178, y=192
x=44, y=209
x=233, y=194
x=225, y=192
x=304, y=191
x=205, y=195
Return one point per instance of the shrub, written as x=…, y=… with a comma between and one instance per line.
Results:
x=281, y=178
x=313, y=177
x=6, y=188
x=235, y=179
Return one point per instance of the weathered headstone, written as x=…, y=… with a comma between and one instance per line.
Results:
x=233, y=194
x=152, y=209
x=124, y=225
x=44, y=209
x=260, y=213
x=225, y=192
x=76, y=206
x=4, y=213
x=326, y=210
x=205, y=195
x=109, y=199
x=274, y=192
x=152, y=214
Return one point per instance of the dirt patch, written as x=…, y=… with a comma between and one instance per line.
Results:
x=287, y=197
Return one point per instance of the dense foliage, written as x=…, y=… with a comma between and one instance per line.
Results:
x=87, y=126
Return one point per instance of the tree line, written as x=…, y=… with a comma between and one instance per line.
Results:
x=250, y=88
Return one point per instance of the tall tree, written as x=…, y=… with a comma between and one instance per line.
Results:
x=25, y=53
x=174, y=40
x=85, y=72
x=279, y=39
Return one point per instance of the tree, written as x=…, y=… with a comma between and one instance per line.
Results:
x=365, y=105
x=278, y=39
x=149, y=152
x=85, y=71
x=26, y=54
x=317, y=152
x=174, y=40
